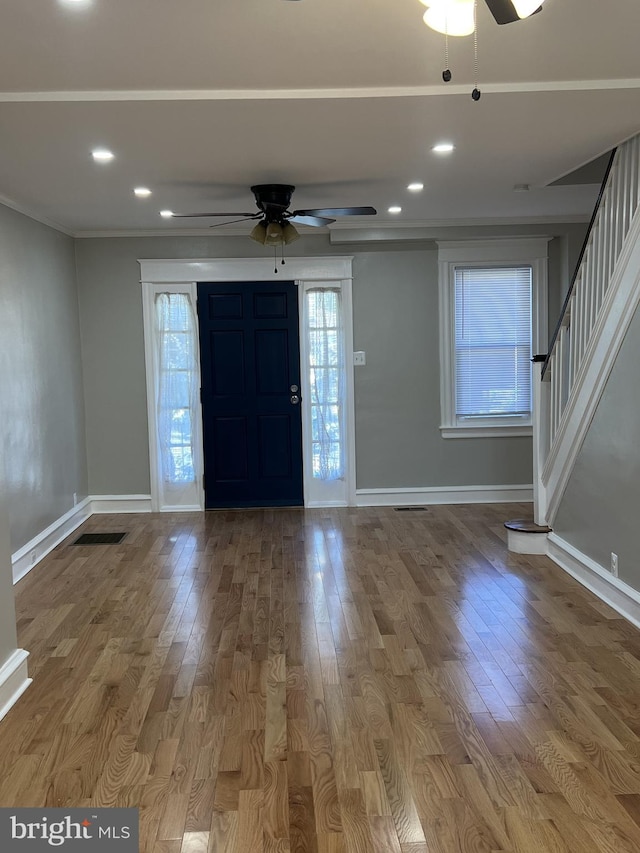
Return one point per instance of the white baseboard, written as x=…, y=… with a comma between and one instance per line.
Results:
x=444, y=495
x=120, y=503
x=37, y=548
x=14, y=680
x=614, y=592
x=30, y=554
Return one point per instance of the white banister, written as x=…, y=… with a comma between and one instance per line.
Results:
x=575, y=339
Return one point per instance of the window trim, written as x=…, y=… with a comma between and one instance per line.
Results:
x=523, y=251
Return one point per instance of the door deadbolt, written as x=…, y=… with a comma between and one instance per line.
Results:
x=294, y=389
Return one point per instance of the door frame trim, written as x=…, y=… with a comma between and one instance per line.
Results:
x=190, y=271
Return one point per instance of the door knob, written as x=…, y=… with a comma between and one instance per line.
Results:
x=295, y=399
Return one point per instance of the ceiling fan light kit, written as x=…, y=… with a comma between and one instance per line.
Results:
x=450, y=17
x=455, y=17
x=274, y=234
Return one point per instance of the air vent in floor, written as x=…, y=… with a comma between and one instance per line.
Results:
x=410, y=509
x=99, y=539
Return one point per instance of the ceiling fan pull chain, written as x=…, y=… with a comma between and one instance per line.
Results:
x=446, y=74
x=476, y=94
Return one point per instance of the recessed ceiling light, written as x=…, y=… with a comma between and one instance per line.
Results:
x=142, y=192
x=395, y=209
x=443, y=148
x=102, y=155
x=415, y=187
x=167, y=214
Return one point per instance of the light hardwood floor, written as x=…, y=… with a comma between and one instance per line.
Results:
x=339, y=681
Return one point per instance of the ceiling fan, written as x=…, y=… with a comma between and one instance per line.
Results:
x=458, y=17
x=508, y=11
x=275, y=220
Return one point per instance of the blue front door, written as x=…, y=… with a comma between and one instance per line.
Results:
x=250, y=356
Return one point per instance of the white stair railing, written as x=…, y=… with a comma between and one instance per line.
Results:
x=585, y=305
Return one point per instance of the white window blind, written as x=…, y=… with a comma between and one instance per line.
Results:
x=493, y=340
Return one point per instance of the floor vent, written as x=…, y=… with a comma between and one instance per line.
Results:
x=99, y=539
x=410, y=509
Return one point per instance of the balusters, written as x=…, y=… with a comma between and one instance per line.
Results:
x=560, y=373
x=595, y=276
x=554, y=394
x=618, y=196
x=618, y=205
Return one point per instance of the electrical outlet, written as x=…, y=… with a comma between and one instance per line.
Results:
x=614, y=564
x=359, y=358
x=75, y=498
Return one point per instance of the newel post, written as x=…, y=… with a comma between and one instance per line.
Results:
x=541, y=432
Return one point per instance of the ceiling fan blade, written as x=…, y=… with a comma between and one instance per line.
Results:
x=232, y=221
x=303, y=219
x=504, y=11
x=196, y=215
x=336, y=211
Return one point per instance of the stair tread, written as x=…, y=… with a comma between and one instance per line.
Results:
x=525, y=525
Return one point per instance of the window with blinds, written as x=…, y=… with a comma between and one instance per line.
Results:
x=493, y=341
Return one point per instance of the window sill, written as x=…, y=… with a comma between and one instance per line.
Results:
x=485, y=432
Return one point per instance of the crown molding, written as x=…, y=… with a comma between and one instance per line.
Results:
x=549, y=219
x=32, y=214
x=350, y=232
x=419, y=91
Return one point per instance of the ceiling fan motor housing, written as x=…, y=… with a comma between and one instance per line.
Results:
x=273, y=199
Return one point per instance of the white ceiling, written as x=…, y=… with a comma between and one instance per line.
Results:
x=199, y=99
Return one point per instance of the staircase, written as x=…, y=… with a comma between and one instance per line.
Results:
x=600, y=304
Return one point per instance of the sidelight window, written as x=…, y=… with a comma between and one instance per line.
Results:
x=325, y=346
x=177, y=386
x=173, y=396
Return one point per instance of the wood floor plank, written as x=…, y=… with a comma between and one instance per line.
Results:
x=333, y=681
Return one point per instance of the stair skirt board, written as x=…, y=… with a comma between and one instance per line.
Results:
x=624, y=599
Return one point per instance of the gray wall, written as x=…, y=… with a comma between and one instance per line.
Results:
x=599, y=510
x=395, y=322
x=395, y=307
x=42, y=425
